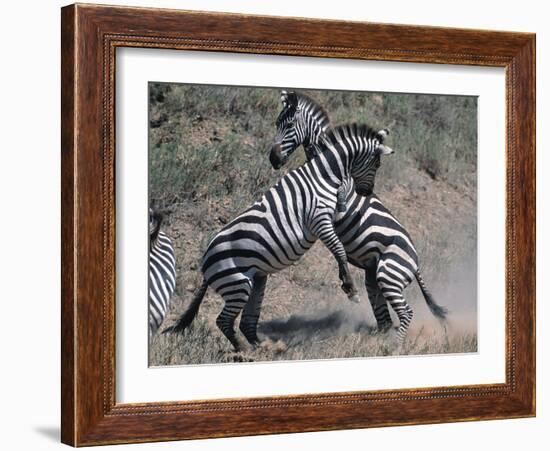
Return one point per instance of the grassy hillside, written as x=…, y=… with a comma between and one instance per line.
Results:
x=209, y=161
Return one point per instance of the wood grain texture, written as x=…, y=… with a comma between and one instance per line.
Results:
x=68, y=313
x=90, y=36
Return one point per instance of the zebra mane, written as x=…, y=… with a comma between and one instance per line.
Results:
x=342, y=132
x=299, y=98
x=316, y=108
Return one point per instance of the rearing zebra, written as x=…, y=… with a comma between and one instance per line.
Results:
x=374, y=240
x=278, y=229
x=162, y=272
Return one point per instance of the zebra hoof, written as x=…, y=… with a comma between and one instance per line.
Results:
x=355, y=299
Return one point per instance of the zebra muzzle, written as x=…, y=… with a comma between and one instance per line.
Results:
x=276, y=156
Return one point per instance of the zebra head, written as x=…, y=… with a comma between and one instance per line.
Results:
x=155, y=220
x=368, y=162
x=300, y=122
x=363, y=147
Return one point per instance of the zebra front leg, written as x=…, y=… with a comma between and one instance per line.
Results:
x=325, y=231
x=341, y=197
x=235, y=296
x=348, y=286
x=252, y=310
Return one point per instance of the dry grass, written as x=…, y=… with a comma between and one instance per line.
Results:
x=208, y=161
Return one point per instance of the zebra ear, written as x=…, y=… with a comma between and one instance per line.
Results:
x=292, y=99
x=382, y=134
x=284, y=98
x=384, y=150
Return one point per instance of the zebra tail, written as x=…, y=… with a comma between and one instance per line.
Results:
x=436, y=309
x=187, y=318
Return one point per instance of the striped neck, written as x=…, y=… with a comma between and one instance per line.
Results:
x=313, y=121
x=349, y=148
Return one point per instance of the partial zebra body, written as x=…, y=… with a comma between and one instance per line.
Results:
x=368, y=230
x=272, y=234
x=277, y=230
x=373, y=239
x=162, y=279
x=376, y=242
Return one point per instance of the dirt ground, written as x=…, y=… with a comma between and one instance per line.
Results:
x=306, y=315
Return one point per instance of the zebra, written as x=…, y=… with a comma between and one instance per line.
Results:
x=279, y=228
x=373, y=239
x=162, y=272
x=310, y=122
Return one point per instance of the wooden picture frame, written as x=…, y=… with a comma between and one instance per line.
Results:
x=90, y=37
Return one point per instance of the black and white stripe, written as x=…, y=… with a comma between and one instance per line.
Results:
x=373, y=239
x=301, y=121
x=162, y=272
x=278, y=229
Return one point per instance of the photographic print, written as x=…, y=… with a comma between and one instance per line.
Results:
x=295, y=224
x=345, y=243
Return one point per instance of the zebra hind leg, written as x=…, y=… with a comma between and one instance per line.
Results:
x=378, y=302
x=235, y=297
x=392, y=281
x=404, y=313
x=252, y=310
x=393, y=293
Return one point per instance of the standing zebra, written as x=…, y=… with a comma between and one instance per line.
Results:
x=374, y=240
x=162, y=272
x=278, y=229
